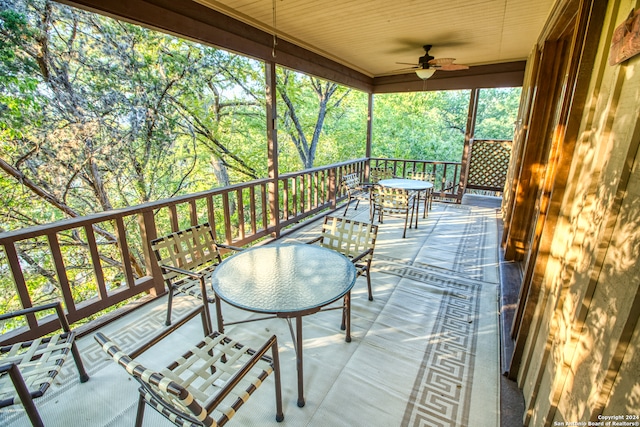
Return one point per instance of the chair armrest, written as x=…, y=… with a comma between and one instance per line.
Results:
x=362, y=255
x=182, y=271
x=162, y=334
x=53, y=305
x=233, y=248
x=316, y=240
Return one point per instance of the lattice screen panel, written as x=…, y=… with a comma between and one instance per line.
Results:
x=488, y=164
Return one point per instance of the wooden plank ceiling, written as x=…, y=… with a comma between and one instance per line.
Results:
x=357, y=43
x=371, y=36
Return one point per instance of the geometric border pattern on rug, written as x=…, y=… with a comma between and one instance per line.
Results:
x=441, y=394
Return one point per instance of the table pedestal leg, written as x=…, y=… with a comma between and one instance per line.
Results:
x=298, y=344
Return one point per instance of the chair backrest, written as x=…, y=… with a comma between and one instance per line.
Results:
x=350, y=182
x=391, y=200
x=173, y=397
x=193, y=249
x=349, y=237
x=421, y=176
x=378, y=173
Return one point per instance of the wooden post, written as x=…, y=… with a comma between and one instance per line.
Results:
x=272, y=146
x=468, y=136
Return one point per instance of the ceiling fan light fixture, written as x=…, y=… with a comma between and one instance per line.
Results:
x=425, y=73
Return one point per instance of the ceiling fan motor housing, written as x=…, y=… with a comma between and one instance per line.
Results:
x=424, y=60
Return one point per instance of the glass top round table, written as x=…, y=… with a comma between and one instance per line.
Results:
x=281, y=279
x=406, y=184
x=288, y=281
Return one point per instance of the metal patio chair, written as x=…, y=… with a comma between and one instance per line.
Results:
x=428, y=195
x=379, y=173
x=350, y=183
x=393, y=202
x=354, y=239
x=207, y=385
x=187, y=258
x=28, y=368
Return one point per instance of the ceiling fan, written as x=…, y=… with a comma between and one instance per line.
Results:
x=427, y=64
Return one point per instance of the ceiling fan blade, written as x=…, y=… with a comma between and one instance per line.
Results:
x=442, y=61
x=407, y=63
x=453, y=67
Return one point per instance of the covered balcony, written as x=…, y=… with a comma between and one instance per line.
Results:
x=545, y=286
x=424, y=350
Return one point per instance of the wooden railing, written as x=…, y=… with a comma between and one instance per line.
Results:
x=109, y=252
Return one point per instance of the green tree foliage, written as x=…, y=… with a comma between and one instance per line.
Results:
x=497, y=111
x=97, y=114
x=432, y=125
x=321, y=122
x=121, y=114
x=420, y=125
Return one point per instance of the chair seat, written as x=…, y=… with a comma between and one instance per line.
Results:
x=39, y=362
x=361, y=269
x=393, y=201
x=207, y=385
x=194, y=372
x=360, y=194
x=191, y=286
x=350, y=184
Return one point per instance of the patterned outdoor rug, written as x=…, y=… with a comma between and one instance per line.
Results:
x=424, y=352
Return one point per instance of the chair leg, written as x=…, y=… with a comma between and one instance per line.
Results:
x=346, y=208
x=278, y=384
x=25, y=396
x=406, y=219
x=169, y=302
x=205, y=302
x=347, y=317
x=84, y=377
x=426, y=204
x=369, y=285
x=140, y=412
x=219, y=318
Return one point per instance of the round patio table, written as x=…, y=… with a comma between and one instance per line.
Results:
x=409, y=185
x=287, y=281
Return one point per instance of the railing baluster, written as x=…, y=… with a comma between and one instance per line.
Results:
x=173, y=218
x=211, y=213
x=265, y=207
x=240, y=213
x=95, y=261
x=193, y=212
x=61, y=272
x=227, y=218
x=121, y=233
x=21, y=285
x=252, y=208
x=149, y=232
